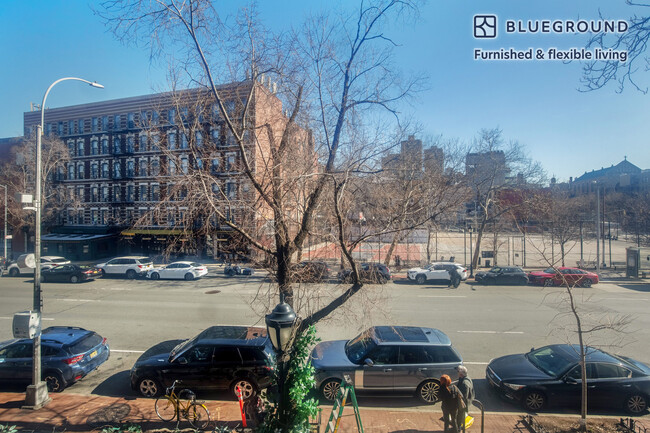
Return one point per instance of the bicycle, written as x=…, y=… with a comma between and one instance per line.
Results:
x=184, y=404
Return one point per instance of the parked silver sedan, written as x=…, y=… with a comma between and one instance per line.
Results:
x=178, y=271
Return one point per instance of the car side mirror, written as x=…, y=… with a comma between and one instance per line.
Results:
x=532, y=348
x=368, y=362
x=570, y=380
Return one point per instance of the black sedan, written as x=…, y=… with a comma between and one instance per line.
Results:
x=504, y=276
x=70, y=273
x=551, y=375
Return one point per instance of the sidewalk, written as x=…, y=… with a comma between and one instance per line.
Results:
x=81, y=413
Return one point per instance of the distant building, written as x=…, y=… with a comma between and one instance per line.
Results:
x=413, y=160
x=622, y=177
x=486, y=170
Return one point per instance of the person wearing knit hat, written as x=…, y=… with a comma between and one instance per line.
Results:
x=451, y=401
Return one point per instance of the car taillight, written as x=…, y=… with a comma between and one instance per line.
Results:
x=388, y=269
x=140, y=266
x=88, y=272
x=104, y=342
x=73, y=360
x=268, y=368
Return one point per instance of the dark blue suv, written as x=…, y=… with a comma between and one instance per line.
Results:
x=67, y=353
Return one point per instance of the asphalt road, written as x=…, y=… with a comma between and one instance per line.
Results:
x=482, y=322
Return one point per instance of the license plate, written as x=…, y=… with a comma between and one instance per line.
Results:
x=92, y=355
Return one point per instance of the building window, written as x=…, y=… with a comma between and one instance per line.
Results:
x=155, y=117
x=94, y=147
x=198, y=138
x=155, y=142
x=105, y=146
x=131, y=120
x=94, y=193
x=105, y=193
x=117, y=145
x=117, y=193
x=80, y=194
x=185, y=114
x=142, y=168
x=94, y=218
x=130, y=144
x=172, y=167
x=117, y=122
x=231, y=190
x=71, y=151
x=184, y=143
x=117, y=170
x=171, y=140
x=103, y=216
x=171, y=116
x=60, y=128
x=143, y=143
x=81, y=126
x=80, y=148
x=155, y=167
x=94, y=170
x=199, y=163
x=214, y=133
x=105, y=173
x=230, y=161
x=70, y=171
x=215, y=166
x=130, y=168
x=230, y=138
x=80, y=171
x=144, y=119
x=71, y=127
x=155, y=192
x=95, y=124
x=143, y=192
x=130, y=192
x=185, y=164
x=48, y=129
x=104, y=123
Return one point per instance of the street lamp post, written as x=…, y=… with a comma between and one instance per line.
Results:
x=36, y=394
x=597, y=228
x=280, y=327
x=5, y=232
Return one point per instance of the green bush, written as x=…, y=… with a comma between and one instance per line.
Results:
x=299, y=383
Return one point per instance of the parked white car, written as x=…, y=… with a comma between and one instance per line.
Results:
x=130, y=266
x=25, y=264
x=178, y=271
x=438, y=272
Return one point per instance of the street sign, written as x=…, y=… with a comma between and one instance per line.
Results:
x=9, y=236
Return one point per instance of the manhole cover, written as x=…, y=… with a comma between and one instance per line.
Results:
x=212, y=292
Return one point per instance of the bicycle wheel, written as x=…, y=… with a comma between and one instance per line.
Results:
x=165, y=409
x=198, y=416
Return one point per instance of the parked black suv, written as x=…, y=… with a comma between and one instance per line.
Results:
x=221, y=357
x=368, y=272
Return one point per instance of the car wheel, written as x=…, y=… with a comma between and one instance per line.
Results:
x=586, y=282
x=74, y=279
x=130, y=274
x=428, y=391
x=330, y=388
x=54, y=381
x=155, y=276
x=383, y=280
x=421, y=279
x=102, y=273
x=636, y=404
x=13, y=272
x=189, y=277
x=247, y=387
x=149, y=387
x=534, y=401
x=548, y=282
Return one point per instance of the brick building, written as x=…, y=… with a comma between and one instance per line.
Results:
x=127, y=156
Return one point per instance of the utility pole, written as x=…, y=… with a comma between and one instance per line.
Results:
x=597, y=229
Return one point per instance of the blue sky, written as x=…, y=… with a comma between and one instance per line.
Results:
x=534, y=102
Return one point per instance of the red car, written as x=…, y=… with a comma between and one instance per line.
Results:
x=563, y=275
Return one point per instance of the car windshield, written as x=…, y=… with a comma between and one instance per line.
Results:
x=549, y=360
x=58, y=260
x=196, y=265
x=357, y=348
x=549, y=271
x=180, y=347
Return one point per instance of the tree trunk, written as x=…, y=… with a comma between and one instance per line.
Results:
x=389, y=253
x=477, y=245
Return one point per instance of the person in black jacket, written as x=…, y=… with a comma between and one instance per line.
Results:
x=451, y=398
x=454, y=277
x=466, y=388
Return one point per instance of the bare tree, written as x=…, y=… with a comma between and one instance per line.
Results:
x=17, y=172
x=498, y=174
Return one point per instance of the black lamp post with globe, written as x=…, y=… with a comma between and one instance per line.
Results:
x=280, y=327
